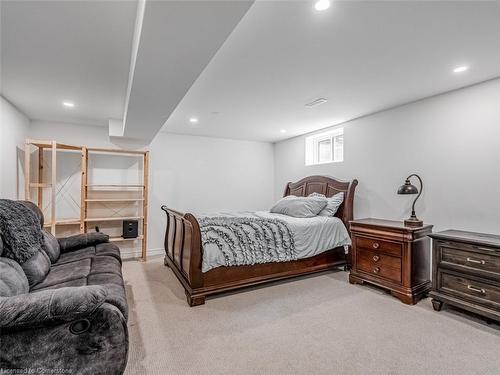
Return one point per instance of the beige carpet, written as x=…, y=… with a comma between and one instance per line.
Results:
x=313, y=325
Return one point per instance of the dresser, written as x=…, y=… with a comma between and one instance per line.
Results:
x=466, y=272
x=389, y=254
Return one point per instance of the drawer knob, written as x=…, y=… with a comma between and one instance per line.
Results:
x=376, y=245
x=478, y=261
x=376, y=270
x=476, y=289
x=376, y=258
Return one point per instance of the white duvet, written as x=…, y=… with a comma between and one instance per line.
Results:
x=312, y=236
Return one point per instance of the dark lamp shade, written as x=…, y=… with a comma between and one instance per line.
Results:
x=407, y=188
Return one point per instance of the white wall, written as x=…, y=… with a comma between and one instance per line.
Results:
x=452, y=141
x=13, y=131
x=188, y=173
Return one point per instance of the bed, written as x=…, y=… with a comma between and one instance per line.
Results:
x=184, y=250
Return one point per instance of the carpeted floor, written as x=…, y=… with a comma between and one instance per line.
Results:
x=313, y=325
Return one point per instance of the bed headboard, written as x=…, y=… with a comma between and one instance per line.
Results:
x=328, y=186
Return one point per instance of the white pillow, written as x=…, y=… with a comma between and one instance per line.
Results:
x=333, y=203
x=299, y=206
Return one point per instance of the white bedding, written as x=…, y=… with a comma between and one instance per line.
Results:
x=312, y=236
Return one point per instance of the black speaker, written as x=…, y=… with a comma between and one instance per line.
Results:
x=130, y=228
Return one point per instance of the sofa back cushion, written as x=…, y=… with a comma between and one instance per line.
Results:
x=51, y=246
x=36, y=268
x=13, y=281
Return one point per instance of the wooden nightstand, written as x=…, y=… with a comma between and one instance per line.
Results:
x=392, y=256
x=466, y=272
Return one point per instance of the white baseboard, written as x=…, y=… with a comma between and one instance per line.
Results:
x=136, y=253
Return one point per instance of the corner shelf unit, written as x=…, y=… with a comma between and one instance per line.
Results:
x=89, y=193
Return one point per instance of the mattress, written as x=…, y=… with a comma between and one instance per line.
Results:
x=311, y=236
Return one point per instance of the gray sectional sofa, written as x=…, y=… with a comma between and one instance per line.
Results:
x=64, y=309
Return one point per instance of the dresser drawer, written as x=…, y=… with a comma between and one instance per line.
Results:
x=380, y=265
x=472, y=259
x=479, y=291
x=391, y=248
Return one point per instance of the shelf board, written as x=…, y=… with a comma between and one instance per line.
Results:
x=114, y=186
x=48, y=144
x=113, y=218
x=119, y=239
x=36, y=184
x=114, y=200
x=64, y=222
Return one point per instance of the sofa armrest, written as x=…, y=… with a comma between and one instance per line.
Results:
x=48, y=306
x=80, y=241
x=101, y=348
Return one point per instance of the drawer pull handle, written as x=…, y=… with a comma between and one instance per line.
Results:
x=376, y=258
x=476, y=289
x=476, y=261
x=376, y=245
x=376, y=270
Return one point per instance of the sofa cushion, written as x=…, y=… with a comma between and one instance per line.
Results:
x=36, y=268
x=106, y=249
x=65, y=272
x=82, y=240
x=92, y=270
x=13, y=281
x=33, y=207
x=51, y=246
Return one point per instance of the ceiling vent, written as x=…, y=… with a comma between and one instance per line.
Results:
x=316, y=102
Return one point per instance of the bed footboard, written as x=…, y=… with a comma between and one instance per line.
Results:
x=183, y=252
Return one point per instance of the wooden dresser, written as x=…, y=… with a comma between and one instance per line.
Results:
x=466, y=272
x=392, y=256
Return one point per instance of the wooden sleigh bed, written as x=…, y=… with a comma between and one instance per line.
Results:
x=184, y=250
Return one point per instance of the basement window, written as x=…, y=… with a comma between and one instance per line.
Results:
x=327, y=147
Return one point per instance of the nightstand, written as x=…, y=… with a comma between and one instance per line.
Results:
x=466, y=272
x=388, y=254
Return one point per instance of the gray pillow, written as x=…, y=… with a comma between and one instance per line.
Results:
x=333, y=203
x=299, y=206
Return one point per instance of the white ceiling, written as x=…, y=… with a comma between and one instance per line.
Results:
x=67, y=50
x=363, y=56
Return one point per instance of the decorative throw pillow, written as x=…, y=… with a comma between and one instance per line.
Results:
x=51, y=246
x=299, y=206
x=333, y=203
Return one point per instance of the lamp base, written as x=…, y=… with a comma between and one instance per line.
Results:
x=414, y=222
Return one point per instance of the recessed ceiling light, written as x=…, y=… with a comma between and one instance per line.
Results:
x=460, y=69
x=283, y=131
x=321, y=5
x=69, y=104
x=193, y=120
x=316, y=102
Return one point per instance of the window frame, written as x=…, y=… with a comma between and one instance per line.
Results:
x=312, y=149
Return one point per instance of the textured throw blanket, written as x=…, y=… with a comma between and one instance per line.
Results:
x=20, y=230
x=248, y=240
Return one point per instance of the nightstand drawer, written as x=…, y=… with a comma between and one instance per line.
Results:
x=377, y=259
x=480, y=291
x=379, y=265
x=391, y=248
x=472, y=259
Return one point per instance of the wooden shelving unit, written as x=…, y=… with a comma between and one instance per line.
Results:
x=53, y=146
x=93, y=193
x=90, y=193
